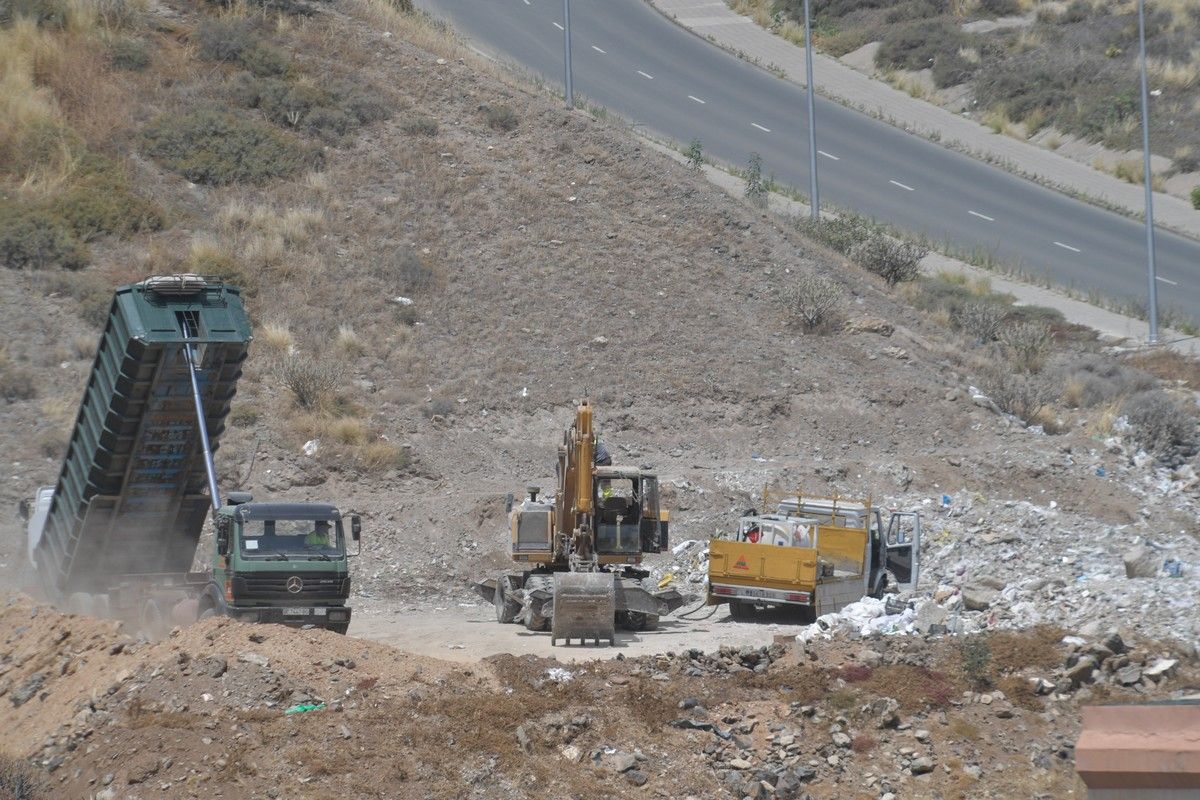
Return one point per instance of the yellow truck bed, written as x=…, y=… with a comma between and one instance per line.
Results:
x=790, y=575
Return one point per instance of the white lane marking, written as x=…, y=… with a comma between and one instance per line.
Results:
x=598, y=50
x=760, y=127
x=644, y=75
x=1068, y=247
x=697, y=99
x=1167, y=281
x=560, y=27
x=902, y=186
x=828, y=155
x=526, y=2
x=981, y=216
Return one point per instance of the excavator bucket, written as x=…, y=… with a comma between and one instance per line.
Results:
x=584, y=607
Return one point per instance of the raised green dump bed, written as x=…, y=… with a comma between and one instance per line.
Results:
x=130, y=501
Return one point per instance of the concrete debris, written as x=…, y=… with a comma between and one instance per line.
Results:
x=1141, y=562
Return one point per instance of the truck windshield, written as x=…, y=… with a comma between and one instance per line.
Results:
x=293, y=539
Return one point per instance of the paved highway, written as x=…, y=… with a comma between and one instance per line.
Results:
x=631, y=59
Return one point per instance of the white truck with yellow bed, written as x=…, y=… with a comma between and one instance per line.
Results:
x=814, y=554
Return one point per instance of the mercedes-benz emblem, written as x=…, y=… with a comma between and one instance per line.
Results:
x=294, y=584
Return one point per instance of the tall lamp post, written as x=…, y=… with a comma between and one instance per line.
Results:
x=567, y=54
x=1152, y=298
x=814, y=196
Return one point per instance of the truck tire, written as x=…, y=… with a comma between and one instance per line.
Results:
x=741, y=610
x=207, y=613
x=506, y=608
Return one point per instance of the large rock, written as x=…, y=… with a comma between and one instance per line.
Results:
x=1141, y=562
x=978, y=598
x=1082, y=671
x=931, y=618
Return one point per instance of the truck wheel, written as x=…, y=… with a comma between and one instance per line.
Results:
x=741, y=610
x=207, y=613
x=506, y=608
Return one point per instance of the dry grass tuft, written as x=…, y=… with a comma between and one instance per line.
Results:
x=349, y=342
x=277, y=338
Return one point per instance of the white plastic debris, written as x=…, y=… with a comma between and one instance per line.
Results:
x=560, y=675
x=311, y=447
x=402, y=300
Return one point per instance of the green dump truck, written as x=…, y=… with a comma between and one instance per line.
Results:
x=116, y=536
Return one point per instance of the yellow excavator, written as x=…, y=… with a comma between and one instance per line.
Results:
x=580, y=551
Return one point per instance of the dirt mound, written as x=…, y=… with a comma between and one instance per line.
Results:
x=224, y=708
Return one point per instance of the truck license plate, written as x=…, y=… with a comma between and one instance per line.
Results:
x=754, y=593
x=295, y=612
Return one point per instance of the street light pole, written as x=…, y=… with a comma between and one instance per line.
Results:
x=567, y=54
x=1152, y=298
x=814, y=196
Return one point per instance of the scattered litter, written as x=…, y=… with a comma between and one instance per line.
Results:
x=311, y=447
x=560, y=675
x=302, y=708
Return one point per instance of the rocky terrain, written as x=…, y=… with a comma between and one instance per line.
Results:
x=470, y=273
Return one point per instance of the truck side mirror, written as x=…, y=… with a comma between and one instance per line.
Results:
x=222, y=543
x=356, y=527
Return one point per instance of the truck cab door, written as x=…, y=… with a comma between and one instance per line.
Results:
x=902, y=548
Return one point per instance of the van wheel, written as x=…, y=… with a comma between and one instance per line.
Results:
x=207, y=613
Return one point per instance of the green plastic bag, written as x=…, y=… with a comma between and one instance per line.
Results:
x=300, y=708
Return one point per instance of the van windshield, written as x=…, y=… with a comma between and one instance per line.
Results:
x=294, y=539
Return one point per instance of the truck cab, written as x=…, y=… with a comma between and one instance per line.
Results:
x=285, y=563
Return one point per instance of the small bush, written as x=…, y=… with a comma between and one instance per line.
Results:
x=312, y=382
x=100, y=202
x=1027, y=344
x=892, y=260
x=1196, y=197
x=1026, y=397
x=420, y=126
x=1159, y=423
x=863, y=743
x=920, y=45
x=1095, y=380
x=694, y=155
x=243, y=415
x=999, y=8
x=130, y=54
x=814, y=301
x=502, y=118
x=217, y=149
x=19, y=781
x=981, y=320
x=408, y=273
x=840, y=234
x=34, y=239
x=227, y=40
x=17, y=382
x=756, y=189
x=976, y=661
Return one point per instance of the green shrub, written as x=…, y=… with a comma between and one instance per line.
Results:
x=1196, y=197
x=100, y=202
x=980, y=319
x=976, y=662
x=215, y=148
x=756, y=189
x=312, y=382
x=17, y=382
x=1028, y=344
x=502, y=118
x=32, y=238
x=129, y=53
x=230, y=39
x=362, y=105
x=1186, y=162
x=694, y=155
x=920, y=45
x=951, y=69
x=840, y=234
